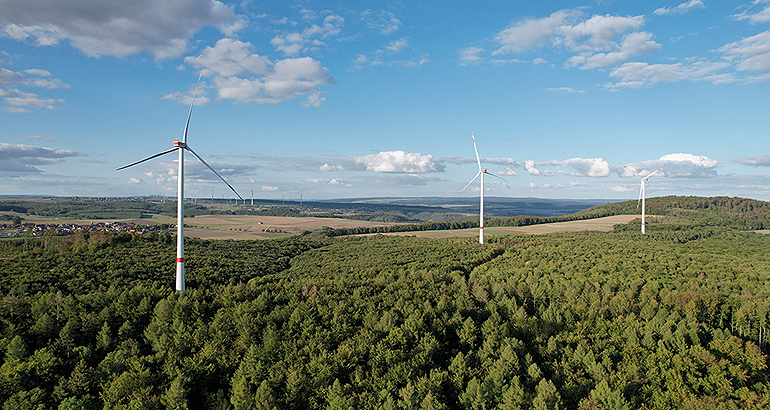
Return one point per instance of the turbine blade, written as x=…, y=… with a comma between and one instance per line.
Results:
x=184, y=137
x=632, y=171
x=496, y=176
x=212, y=170
x=149, y=158
x=469, y=183
x=653, y=172
x=477, y=151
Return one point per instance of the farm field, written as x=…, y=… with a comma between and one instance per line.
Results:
x=260, y=227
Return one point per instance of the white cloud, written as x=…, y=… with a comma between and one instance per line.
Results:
x=750, y=53
x=269, y=188
x=470, y=55
x=332, y=181
x=620, y=188
x=755, y=17
x=508, y=172
x=674, y=165
x=637, y=75
x=396, y=46
x=755, y=161
x=680, y=9
x=240, y=74
x=565, y=90
x=382, y=21
x=18, y=101
x=295, y=42
x=570, y=184
x=585, y=167
x=401, y=162
x=633, y=44
x=599, y=41
x=531, y=167
x=159, y=27
x=533, y=33
x=328, y=168
x=135, y=181
x=25, y=158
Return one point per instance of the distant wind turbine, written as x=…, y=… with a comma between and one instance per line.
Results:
x=481, y=195
x=181, y=146
x=641, y=191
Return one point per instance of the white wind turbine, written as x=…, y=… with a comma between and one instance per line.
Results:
x=641, y=191
x=181, y=146
x=481, y=205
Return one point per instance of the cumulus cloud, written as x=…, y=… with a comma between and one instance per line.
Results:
x=531, y=167
x=633, y=44
x=599, y=41
x=680, y=9
x=750, y=53
x=240, y=74
x=400, y=161
x=584, y=167
x=269, y=188
x=159, y=27
x=755, y=161
x=674, y=165
x=25, y=158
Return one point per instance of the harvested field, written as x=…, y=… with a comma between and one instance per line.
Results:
x=260, y=227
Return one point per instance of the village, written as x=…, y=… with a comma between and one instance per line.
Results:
x=65, y=229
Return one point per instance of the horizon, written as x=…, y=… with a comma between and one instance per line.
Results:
x=379, y=100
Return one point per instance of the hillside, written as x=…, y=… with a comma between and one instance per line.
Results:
x=677, y=318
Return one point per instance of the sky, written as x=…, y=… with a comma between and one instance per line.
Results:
x=339, y=99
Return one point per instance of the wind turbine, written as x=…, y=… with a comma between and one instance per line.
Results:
x=481, y=205
x=641, y=190
x=181, y=146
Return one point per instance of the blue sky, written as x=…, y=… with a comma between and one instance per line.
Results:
x=328, y=99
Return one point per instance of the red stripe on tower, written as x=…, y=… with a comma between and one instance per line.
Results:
x=179, y=260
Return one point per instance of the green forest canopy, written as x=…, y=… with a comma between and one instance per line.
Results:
x=676, y=318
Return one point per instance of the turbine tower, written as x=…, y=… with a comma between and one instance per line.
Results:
x=481, y=196
x=641, y=191
x=181, y=146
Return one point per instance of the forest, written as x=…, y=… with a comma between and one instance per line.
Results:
x=677, y=318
